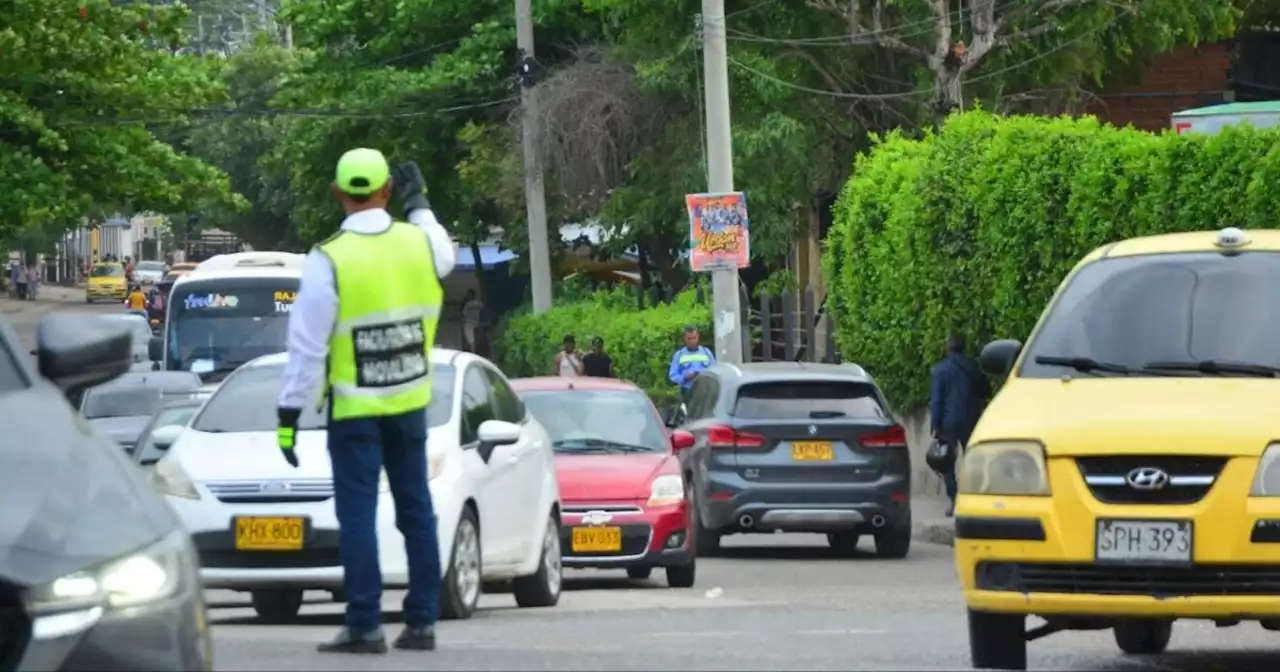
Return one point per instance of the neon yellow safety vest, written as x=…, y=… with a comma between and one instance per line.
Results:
x=389, y=300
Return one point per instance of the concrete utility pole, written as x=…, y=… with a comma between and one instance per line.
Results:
x=715, y=64
x=535, y=198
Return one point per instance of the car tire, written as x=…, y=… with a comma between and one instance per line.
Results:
x=683, y=576
x=706, y=541
x=845, y=544
x=277, y=606
x=639, y=572
x=462, y=587
x=895, y=543
x=1143, y=636
x=997, y=641
x=542, y=588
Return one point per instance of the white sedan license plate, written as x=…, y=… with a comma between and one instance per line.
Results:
x=1144, y=541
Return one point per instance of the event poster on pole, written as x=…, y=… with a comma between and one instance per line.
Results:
x=719, y=231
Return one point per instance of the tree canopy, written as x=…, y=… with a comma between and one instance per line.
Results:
x=85, y=87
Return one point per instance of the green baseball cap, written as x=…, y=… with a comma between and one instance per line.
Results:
x=362, y=171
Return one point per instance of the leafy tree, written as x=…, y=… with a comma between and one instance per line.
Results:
x=242, y=143
x=84, y=87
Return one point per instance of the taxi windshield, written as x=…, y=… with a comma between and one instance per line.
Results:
x=107, y=271
x=1147, y=315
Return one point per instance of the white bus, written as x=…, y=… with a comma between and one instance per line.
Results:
x=231, y=309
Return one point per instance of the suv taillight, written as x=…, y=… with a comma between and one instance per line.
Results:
x=722, y=436
x=893, y=437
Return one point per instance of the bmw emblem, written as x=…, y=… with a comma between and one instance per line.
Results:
x=813, y=430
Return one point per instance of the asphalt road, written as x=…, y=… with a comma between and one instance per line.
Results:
x=779, y=602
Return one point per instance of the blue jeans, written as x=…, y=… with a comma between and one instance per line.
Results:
x=360, y=449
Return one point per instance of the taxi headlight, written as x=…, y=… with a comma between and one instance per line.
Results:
x=169, y=478
x=666, y=490
x=1266, y=482
x=1015, y=468
x=149, y=575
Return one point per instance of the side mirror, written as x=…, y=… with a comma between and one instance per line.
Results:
x=682, y=441
x=494, y=433
x=164, y=437
x=674, y=416
x=155, y=348
x=997, y=357
x=77, y=351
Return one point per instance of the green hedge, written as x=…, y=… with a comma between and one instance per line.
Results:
x=639, y=341
x=974, y=228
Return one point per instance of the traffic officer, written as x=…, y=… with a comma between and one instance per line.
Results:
x=360, y=337
x=689, y=361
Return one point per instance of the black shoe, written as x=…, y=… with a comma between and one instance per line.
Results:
x=349, y=642
x=951, y=511
x=416, y=638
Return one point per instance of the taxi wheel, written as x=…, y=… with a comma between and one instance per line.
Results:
x=275, y=606
x=997, y=641
x=1143, y=636
x=639, y=572
x=542, y=589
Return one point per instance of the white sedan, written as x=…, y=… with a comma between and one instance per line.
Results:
x=265, y=527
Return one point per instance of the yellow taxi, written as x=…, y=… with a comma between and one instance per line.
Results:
x=1128, y=472
x=106, y=282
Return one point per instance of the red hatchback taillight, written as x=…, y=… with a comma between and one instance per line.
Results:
x=722, y=437
x=893, y=437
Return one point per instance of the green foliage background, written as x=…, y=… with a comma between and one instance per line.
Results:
x=975, y=227
x=639, y=341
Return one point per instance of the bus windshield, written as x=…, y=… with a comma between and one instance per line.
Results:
x=216, y=325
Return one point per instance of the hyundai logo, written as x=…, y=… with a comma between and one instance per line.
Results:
x=1147, y=478
x=813, y=429
x=274, y=486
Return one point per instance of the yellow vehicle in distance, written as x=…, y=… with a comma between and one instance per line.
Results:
x=106, y=282
x=1128, y=472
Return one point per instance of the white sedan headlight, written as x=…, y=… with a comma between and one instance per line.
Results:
x=1013, y=468
x=169, y=478
x=666, y=490
x=149, y=575
x=1266, y=482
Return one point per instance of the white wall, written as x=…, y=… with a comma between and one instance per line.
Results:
x=923, y=480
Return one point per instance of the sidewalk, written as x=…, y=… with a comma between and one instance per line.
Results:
x=932, y=526
x=47, y=297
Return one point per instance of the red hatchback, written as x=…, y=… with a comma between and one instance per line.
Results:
x=622, y=484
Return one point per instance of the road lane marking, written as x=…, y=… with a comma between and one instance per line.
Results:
x=673, y=635
x=840, y=632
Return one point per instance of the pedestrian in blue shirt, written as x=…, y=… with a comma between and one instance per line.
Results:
x=958, y=394
x=689, y=361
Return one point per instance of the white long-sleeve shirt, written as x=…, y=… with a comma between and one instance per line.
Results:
x=314, y=312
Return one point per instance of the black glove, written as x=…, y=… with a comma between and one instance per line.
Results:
x=407, y=181
x=287, y=433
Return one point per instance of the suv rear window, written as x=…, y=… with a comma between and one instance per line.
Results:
x=794, y=400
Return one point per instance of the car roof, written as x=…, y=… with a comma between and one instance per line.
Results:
x=1260, y=240
x=554, y=383
x=780, y=371
x=438, y=356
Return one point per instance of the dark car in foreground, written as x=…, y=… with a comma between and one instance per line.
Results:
x=623, y=491
x=798, y=447
x=95, y=571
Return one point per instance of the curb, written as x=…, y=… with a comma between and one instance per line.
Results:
x=935, y=532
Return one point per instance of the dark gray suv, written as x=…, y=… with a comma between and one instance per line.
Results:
x=797, y=447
